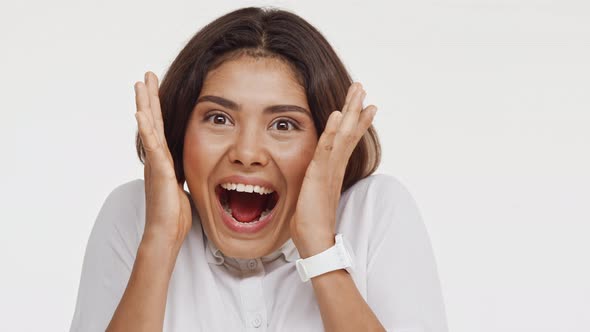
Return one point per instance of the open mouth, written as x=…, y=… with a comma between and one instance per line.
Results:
x=246, y=204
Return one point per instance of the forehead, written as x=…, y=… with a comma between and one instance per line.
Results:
x=258, y=80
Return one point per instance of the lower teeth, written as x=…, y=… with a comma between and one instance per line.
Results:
x=262, y=215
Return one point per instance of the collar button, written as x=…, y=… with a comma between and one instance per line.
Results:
x=252, y=264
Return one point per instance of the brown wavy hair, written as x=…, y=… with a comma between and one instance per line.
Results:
x=261, y=32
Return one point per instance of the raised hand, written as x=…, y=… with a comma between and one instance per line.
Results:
x=313, y=224
x=168, y=209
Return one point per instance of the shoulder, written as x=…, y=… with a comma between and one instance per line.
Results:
x=127, y=196
x=128, y=191
x=377, y=189
x=123, y=210
x=376, y=207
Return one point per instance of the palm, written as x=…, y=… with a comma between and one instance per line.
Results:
x=168, y=209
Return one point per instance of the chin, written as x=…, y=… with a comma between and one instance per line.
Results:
x=247, y=248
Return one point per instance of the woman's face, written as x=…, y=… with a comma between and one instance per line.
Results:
x=251, y=132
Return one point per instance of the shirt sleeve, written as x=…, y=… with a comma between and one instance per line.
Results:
x=109, y=257
x=403, y=288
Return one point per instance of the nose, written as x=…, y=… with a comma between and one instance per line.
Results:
x=248, y=149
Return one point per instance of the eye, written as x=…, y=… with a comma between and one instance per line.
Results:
x=217, y=119
x=284, y=125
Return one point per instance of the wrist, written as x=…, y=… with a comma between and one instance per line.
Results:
x=160, y=252
x=313, y=243
x=163, y=239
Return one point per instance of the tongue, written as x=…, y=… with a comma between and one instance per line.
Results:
x=246, y=207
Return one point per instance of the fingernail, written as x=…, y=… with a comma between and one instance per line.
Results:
x=145, y=77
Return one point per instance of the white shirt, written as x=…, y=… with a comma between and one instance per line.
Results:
x=394, y=270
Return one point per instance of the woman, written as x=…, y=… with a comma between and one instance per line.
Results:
x=282, y=229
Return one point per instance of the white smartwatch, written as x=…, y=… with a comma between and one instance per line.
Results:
x=339, y=256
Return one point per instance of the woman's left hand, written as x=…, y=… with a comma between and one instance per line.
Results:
x=314, y=221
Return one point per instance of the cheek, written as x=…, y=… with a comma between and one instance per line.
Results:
x=293, y=160
x=200, y=154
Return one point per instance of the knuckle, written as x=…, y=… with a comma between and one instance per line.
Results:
x=150, y=143
x=348, y=136
x=330, y=130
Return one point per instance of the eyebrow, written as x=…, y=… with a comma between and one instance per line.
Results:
x=269, y=109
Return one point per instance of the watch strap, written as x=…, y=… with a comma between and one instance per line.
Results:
x=333, y=258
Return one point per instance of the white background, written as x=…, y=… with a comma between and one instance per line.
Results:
x=484, y=116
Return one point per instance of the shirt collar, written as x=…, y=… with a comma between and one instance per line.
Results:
x=287, y=250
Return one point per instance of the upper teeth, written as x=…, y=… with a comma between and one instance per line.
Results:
x=246, y=188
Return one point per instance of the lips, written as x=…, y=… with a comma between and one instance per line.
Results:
x=246, y=205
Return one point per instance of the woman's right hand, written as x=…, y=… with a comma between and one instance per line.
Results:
x=168, y=209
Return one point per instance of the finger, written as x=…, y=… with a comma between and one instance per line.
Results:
x=155, y=151
x=147, y=134
x=364, y=123
x=145, y=123
x=351, y=90
x=142, y=102
x=366, y=119
x=351, y=118
x=154, y=99
x=326, y=141
x=351, y=132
